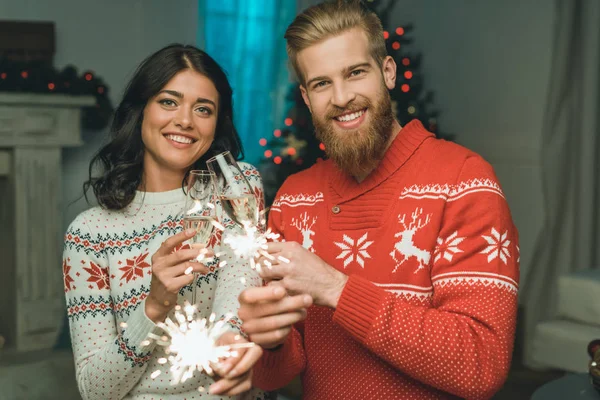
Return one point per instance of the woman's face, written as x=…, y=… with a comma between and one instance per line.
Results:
x=179, y=123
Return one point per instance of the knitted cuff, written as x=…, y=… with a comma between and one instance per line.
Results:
x=358, y=307
x=284, y=355
x=133, y=341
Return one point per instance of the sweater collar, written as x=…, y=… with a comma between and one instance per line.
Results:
x=156, y=198
x=404, y=145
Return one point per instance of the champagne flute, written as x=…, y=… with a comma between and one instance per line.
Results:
x=200, y=209
x=235, y=193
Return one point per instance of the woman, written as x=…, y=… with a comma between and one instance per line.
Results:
x=125, y=262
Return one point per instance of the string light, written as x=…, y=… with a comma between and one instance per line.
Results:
x=277, y=133
x=263, y=142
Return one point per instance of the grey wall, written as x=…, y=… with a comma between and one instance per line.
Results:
x=109, y=37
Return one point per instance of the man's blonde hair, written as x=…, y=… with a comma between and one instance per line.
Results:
x=331, y=18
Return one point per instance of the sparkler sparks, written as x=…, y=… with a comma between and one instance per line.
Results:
x=251, y=244
x=190, y=343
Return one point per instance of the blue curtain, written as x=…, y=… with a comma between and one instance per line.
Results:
x=246, y=39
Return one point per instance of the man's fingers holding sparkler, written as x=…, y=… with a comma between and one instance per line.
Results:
x=235, y=372
x=273, y=322
x=269, y=300
x=268, y=314
x=272, y=339
x=255, y=295
x=300, y=271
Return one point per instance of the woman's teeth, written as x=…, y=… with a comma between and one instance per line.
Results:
x=180, y=139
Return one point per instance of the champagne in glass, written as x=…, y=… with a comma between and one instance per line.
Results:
x=235, y=192
x=200, y=209
x=242, y=209
x=203, y=225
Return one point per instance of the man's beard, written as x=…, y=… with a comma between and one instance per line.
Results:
x=357, y=152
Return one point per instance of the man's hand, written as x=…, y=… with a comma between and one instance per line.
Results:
x=305, y=273
x=235, y=373
x=268, y=314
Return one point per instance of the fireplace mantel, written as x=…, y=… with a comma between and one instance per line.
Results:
x=33, y=130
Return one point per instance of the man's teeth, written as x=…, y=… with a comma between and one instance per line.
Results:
x=180, y=139
x=350, y=117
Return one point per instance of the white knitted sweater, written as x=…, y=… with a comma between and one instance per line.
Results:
x=107, y=271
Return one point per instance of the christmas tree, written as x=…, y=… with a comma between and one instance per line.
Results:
x=294, y=147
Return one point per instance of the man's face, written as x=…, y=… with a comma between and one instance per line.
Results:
x=347, y=94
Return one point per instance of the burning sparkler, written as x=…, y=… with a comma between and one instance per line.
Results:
x=190, y=343
x=251, y=244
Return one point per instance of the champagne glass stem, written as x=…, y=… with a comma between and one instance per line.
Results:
x=194, y=286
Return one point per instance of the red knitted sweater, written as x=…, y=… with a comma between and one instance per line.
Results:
x=432, y=256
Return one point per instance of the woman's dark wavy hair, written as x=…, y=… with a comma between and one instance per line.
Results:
x=121, y=161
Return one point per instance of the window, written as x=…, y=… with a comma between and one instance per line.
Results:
x=246, y=39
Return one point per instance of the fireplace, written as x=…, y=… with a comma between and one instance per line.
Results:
x=33, y=130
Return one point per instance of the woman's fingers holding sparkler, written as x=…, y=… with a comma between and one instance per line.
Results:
x=236, y=372
x=234, y=386
x=233, y=339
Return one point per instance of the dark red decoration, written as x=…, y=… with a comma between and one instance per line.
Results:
x=40, y=77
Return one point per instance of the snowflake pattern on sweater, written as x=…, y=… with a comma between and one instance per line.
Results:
x=429, y=246
x=107, y=271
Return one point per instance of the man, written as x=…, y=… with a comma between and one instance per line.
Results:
x=410, y=254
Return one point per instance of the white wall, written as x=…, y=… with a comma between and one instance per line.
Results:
x=488, y=63
x=109, y=37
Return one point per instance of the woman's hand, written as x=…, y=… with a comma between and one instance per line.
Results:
x=170, y=272
x=234, y=375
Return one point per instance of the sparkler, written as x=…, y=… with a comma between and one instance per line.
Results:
x=251, y=244
x=190, y=343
